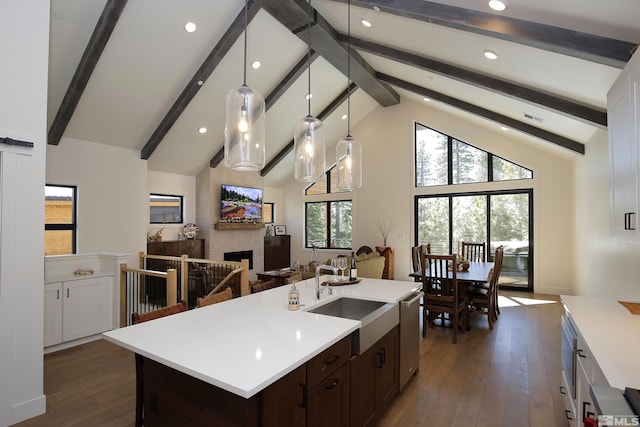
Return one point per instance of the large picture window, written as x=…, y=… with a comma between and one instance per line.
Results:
x=59, y=220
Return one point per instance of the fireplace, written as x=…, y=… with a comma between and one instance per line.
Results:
x=238, y=256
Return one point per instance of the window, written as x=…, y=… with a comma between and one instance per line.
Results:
x=267, y=213
x=443, y=160
x=165, y=209
x=59, y=220
x=328, y=224
x=498, y=218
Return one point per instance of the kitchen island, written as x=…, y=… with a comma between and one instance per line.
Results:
x=243, y=346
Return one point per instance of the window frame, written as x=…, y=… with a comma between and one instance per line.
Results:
x=181, y=221
x=450, y=174
x=327, y=207
x=73, y=225
x=273, y=212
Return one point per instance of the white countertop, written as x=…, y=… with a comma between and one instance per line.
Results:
x=612, y=334
x=245, y=344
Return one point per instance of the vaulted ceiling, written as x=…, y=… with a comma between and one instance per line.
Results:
x=127, y=74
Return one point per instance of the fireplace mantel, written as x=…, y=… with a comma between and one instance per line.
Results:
x=237, y=226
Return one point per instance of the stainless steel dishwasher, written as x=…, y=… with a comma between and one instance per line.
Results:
x=409, y=337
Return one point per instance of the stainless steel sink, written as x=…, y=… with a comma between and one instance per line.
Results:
x=377, y=318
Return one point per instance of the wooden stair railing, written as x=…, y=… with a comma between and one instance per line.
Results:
x=133, y=286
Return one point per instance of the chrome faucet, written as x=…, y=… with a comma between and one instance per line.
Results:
x=323, y=267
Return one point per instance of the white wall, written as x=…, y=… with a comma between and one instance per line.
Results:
x=113, y=197
x=605, y=266
x=24, y=29
x=387, y=191
x=175, y=185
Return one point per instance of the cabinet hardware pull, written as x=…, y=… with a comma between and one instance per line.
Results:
x=567, y=413
x=57, y=293
x=380, y=360
x=384, y=354
x=631, y=227
x=333, y=359
x=333, y=384
x=562, y=390
x=304, y=396
x=67, y=292
x=581, y=354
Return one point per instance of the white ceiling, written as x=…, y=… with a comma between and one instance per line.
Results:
x=150, y=58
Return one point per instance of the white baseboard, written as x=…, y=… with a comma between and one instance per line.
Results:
x=73, y=343
x=29, y=409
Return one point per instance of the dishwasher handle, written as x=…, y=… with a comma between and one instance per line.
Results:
x=408, y=303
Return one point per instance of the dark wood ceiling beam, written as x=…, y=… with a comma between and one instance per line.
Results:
x=322, y=116
x=586, y=114
x=275, y=94
x=294, y=15
x=590, y=47
x=235, y=30
x=99, y=38
x=487, y=114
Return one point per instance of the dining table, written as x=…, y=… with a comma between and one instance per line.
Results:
x=477, y=272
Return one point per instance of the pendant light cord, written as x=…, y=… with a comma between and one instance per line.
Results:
x=349, y=68
x=309, y=60
x=246, y=25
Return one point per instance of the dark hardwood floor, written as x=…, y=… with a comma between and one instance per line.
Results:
x=505, y=377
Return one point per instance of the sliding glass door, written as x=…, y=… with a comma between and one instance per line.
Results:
x=498, y=218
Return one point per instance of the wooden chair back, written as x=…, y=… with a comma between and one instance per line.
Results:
x=441, y=293
x=296, y=277
x=225, y=295
x=156, y=314
x=474, y=252
x=262, y=285
x=415, y=255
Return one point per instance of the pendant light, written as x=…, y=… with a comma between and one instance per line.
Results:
x=308, y=135
x=349, y=150
x=244, y=130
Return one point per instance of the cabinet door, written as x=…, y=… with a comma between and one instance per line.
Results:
x=284, y=403
x=622, y=157
x=363, y=388
x=328, y=403
x=86, y=307
x=52, y=313
x=584, y=404
x=387, y=370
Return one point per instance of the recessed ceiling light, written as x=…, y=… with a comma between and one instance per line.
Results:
x=255, y=65
x=308, y=96
x=498, y=5
x=504, y=128
x=344, y=117
x=489, y=54
x=190, y=27
x=427, y=99
x=202, y=130
x=376, y=8
x=366, y=23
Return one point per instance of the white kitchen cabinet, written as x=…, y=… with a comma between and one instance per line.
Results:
x=623, y=112
x=77, y=308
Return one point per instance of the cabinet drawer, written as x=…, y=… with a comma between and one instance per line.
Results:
x=327, y=362
x=569, y=405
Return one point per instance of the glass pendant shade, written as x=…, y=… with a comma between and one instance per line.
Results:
x=349, y=163
x=308, y=150
x=244, y=130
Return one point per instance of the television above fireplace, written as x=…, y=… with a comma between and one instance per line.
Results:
x=242, y=204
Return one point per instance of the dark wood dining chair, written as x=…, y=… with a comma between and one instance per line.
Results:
x=441, y=293
x=262, y=285
x=483, y=298
x=474, y=252
x=145, y=317
x=415, y=257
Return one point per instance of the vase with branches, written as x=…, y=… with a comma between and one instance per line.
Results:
x=385, y=228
